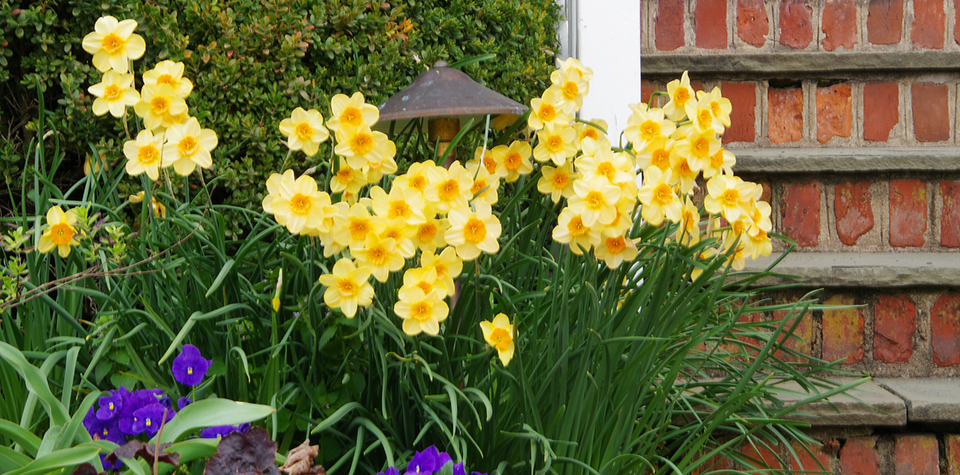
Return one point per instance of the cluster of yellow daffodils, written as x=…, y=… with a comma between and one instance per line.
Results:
x=431, y=214
x=170, y=137
x=678, y=144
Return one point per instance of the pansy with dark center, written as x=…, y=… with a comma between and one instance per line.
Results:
x=189, y=367
x=219, y=432
x=390, y=471
x=428, y=461
x=149, y=418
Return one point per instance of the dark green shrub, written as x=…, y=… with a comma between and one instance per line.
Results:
x=252, y=63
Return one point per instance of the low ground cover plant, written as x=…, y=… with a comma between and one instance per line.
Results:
x=558, y=302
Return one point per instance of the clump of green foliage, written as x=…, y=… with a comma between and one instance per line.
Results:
x=257, y=61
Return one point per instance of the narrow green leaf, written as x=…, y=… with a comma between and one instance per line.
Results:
x=11, y=460
x=71, y=430
x=219, y=280
x=336, y=416
x=27, y=440
x=36, y=383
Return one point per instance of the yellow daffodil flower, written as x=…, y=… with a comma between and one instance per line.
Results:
x=447, y=265
x=381, y=256
x=473, y=232
x=143, y=155
x=347, y=287
x=557, y=182
x=644, y=126
x=114, y=94
x=421, y=313
x=113, y=44
x=547, y=109
x=169, y=73
x=160, y=107
x=513, y=161
x=299, y=205
x=188, y=147
x=351, y=112
x=304, y=131
x=658, y=197
x=572, y=88
x=595, y=200
x=499, y=334
x=729, y=196
x=683, y=101
x=60, y=232
x=615, y=250
x=555, y=143
x=571, y=230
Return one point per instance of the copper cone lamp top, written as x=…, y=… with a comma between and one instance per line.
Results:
x=444, y=92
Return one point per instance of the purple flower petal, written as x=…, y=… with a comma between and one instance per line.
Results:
x=110, y=405
x=189, y=367
x=183, y=402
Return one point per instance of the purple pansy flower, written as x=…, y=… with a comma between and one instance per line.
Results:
x=110, y=405
x=428, y=461
x=183, y=402
x=218, y=432
x=149, y=419
x=390, y=471
x=458, y=469
x=189, y=367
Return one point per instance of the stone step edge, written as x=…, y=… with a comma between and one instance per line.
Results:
x=795, y=63
x=846, y=160
x=862, y=269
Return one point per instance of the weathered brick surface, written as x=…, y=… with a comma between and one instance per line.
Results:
x=839, y=24
x=908, y=213
x=945, y=328
x=881, y=110
x=859, y=457
x=854, y=211
x=843, y=331
x=743, y=100
x=796, y=23
x=784, y=115
x=928, y=24
x=931, y=112
x=802, y=337
x=950, y=216
x=763, y=456
x=711, y=24
x=834, y=112
x=647, y=88
x=917, y=455
x=669, y=25
x=753, y=26
x=767, y=191
x=800, y=206
x=952, y=442
x=805, y=462
x=895, y=320
x=884, y=21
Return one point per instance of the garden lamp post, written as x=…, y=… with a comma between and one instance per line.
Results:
x=444, y=96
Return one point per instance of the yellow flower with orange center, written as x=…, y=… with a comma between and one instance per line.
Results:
x=113, y=44
x=351, y=112
x=697, y=146
x=657, y=153
x=595, y=200
x=143, y=155
x=188, y=147
x=720, y=162
x=60, y=233
x=380, y=255
x=615, y=250
x=423, y=278
x=590, y=130
x=548, y=108
x=171, y=74
x=473, y=232
x=485, y=186
x=428, y=235
x=572, y=88
x=682, y=99
x=401, y=203
x=114, y=93
x=360, y=145
x=645, y=125
x=304, y=131
x=555, y=143
x=499, y=334
x=298, y=204
x=571, y=230
x=447, y=265
x=160, y=107
x=348, y=287
x=717, y=110
x=729, y=196
x=421, y=313
x=658, y=197
x=557, y=182
x=688, y=233
x=347, y=179
x=449, y=188
x=513, y=161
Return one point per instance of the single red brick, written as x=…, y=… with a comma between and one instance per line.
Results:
x=945, y=328
x=917, y=455
x=950, y=218
x=785, y=115
x=647, y=88
x=927, y=30
x=843, y=331
x=834, y=112
x=884, y=22
x=800, y=206
x=895, y=320
x=711, y=24
x=796, y=23
x=952, y=441
x=752, y=23
x=669, y=25
x=854, y=211
x=802, y=336
x=881, y=110
x=763, y=457
x=805, y=462
x=931, y=114
x=839, y=24
x=859, y=457
x=908, y=212
x=743, y=100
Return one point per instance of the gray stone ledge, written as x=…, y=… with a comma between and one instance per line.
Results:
x=864, y=269
x=862, y=159
x=865, y=405
x=797, y=63
x=928, y=400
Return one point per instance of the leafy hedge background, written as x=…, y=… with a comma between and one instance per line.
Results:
x=253, y=62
